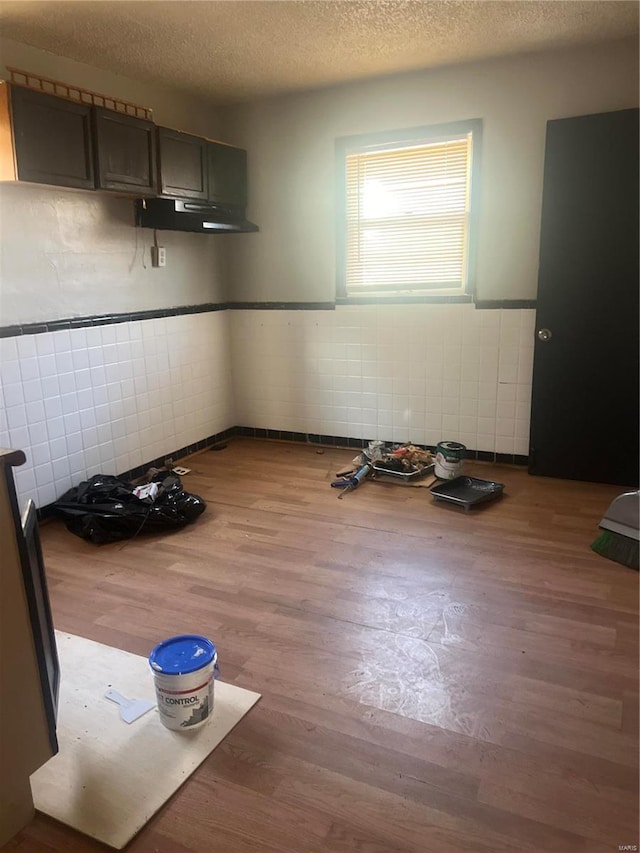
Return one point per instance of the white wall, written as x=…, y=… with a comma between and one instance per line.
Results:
x=403, y=372
x=69, y=254
x=290, y=141
x=73, y=254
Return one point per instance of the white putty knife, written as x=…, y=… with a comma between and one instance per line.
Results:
x=130, y=709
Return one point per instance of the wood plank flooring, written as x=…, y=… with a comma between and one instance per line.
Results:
x=432, y=680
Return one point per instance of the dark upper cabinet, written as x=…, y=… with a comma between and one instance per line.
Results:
x=183, y=164
x=125, y=153
x=52, y=139
x=227, y=175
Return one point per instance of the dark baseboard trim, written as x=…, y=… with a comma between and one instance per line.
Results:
x=212, y=441
x=360, y=443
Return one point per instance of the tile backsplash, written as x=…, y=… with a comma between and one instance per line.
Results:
x=404, y=372
x=106, y=399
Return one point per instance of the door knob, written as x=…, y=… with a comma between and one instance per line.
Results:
x=544, y=334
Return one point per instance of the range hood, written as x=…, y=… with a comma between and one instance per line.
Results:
x=201, y=217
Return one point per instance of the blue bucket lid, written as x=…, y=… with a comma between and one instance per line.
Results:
x=182, y=654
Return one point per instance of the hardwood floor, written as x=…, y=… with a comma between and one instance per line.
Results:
x=432, y=680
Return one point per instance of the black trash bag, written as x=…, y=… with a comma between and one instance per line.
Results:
x=105, y=509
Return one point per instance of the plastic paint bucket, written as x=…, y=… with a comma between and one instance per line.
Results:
x=449, y=456
x=375, y=450
x=184, y=670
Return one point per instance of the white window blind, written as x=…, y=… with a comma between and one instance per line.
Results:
x=408, y=217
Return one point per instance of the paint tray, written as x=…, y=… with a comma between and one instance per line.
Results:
x=467, y=492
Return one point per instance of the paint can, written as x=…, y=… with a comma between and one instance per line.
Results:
x=184, y=671
x=449, y=456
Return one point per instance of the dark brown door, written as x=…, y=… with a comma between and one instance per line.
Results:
x=125, y=153
x=52, y=139
x=227, y=175
x=183, y=164
x=584, y=415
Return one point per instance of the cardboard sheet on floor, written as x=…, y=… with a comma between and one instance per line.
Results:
x=109, y=777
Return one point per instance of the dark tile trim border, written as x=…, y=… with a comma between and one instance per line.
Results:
x=483, y=304
x=130, y=317
x=108, y=319
x=282, y=306
x=283, y=435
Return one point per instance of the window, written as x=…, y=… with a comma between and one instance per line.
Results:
x=408, y=203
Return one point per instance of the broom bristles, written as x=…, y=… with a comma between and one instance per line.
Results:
x=617, y=547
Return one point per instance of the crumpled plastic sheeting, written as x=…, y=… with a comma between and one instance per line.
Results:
x=105, y=508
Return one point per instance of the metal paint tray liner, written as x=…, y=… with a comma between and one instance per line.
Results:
x=404, y=475
x=467, y=491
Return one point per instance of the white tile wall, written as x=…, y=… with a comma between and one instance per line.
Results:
x=413, y=372
x=109, y=398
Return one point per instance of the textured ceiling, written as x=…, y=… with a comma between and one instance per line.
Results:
x=232, y=50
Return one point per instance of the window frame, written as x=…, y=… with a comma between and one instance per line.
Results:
x=345, y=145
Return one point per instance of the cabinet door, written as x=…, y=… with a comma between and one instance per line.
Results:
x=227, y=175
x=125, y=153
x=183, y=164
x=52, y=138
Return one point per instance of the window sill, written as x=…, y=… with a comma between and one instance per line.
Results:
x=398, y=299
